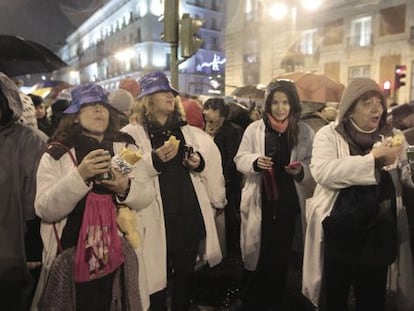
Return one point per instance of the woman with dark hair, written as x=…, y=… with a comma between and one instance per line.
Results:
x=273, y=155
x=357, y=224
x=77, y=193
x=227, y=137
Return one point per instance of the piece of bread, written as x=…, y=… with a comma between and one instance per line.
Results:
x=128, y=224
x=130, y=156
x=397, y=140
x=174, y=141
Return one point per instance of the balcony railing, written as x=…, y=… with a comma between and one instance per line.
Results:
x=365, y=40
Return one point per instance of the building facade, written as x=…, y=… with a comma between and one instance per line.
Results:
x=343, y=39
x=123, y=39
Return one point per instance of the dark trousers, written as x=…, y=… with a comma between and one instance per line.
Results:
x=263, y=290
x=181, y=274
x=368, y=283
x=232, y=218
x=95, y=295
x=16, y=296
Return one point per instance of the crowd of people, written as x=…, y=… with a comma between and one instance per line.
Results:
x=203, y=187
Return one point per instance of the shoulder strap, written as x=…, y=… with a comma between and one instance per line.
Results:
x=57, y=143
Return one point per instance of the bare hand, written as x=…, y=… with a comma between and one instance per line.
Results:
x=193, y=161
x=118, y=184
x=385, y=154
x=264, y=163
x=95, y=162
x=167, y=151
x=293, y=170
x=33, y=264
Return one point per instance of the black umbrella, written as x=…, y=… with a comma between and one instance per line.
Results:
x=238, y=114
x=248, y=91
x=19, y=56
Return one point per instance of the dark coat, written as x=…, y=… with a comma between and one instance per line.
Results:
x=20, y=151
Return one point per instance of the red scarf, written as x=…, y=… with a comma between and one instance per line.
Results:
x=279, y=126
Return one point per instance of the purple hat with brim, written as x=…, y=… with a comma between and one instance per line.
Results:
x=86, y=94
x=155, y=82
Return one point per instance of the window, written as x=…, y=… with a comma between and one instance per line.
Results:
x=307, y=43
x=333, y=32
x=359, y=72
x=252, y=10
x=361, y=31
x=392, y=20
x=215, y=6
x=214, y=24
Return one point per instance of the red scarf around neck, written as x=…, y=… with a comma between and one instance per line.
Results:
x=279, y=126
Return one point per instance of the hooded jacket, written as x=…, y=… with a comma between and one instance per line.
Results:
x=20, y=151
x=333, y=168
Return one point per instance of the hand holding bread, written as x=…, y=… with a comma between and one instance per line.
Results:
x=169, y=149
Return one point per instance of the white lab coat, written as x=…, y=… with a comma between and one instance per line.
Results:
x=333, y=169
x=210, y=191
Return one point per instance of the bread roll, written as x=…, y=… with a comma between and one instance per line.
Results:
x=397, y=140
x=174, y=141
x=130, y=156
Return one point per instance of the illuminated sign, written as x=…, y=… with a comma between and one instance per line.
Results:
x=214, y=64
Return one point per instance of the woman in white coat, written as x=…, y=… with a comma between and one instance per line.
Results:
x=185, y=168
x=278, y=145
x=356, y=151
x=76, y=202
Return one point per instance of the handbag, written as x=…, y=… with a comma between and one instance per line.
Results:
x=353, y=213
x=362, y=225
x=270, y=185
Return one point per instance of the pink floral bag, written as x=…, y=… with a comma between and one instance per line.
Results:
x=98, y=251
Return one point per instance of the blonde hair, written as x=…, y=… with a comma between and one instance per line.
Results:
x=144, y=109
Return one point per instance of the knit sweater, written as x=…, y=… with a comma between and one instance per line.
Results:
x=59, y=293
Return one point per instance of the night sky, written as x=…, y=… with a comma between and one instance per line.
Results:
x=47, y=22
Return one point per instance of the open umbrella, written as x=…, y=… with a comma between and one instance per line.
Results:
x=248, y=91
x=19, y=56
x=315, y=87
x=238, y=114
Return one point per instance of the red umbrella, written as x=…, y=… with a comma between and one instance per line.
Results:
x=315, y=87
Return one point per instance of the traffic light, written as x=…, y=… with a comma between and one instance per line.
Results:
x=399, y=76
x=170, y=33
x=189, y=39
x=386, y=87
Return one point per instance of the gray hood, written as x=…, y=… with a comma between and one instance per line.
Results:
x=355, y=89
x=11, y=93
